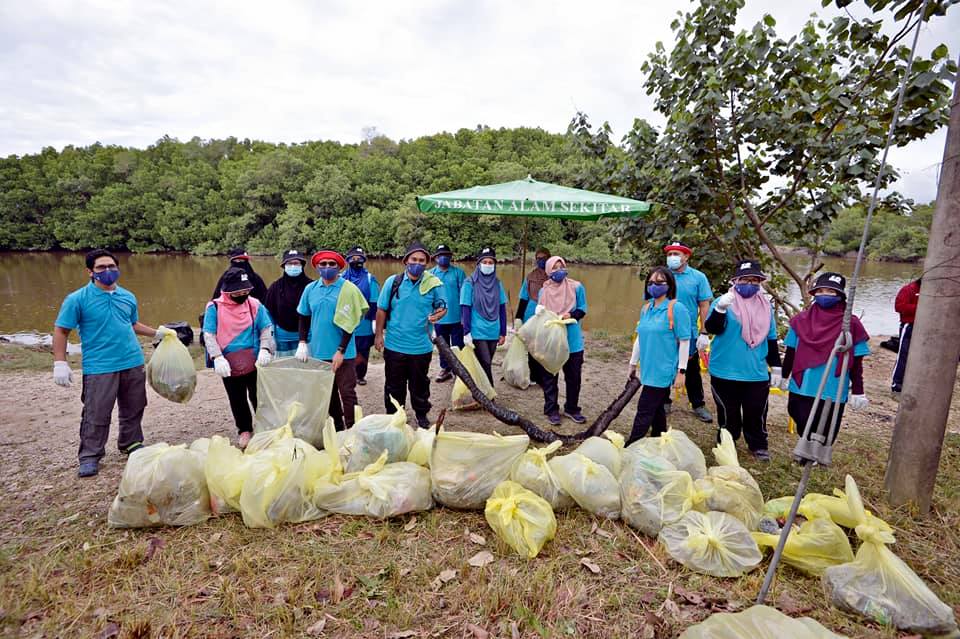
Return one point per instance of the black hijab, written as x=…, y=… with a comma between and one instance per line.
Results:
x=283, y=296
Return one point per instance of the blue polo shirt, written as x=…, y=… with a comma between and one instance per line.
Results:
x=319, y=303
x=692, y=288
x=408, y=330
x=480, y=326
x=105, y=321
x=249, y=338
x=366, y=325
x=658, y=343
x=531, y=305
x=453, y=279
x=811, y=376
x=574, y=331
x=731, y=358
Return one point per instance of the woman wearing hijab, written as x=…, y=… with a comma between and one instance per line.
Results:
x=745, y=344
x=567, y=298
x=812, y=335
x=483, y=310
x=282, y=299
x=529, y=290
x=659, y=352
x=239, y=258
x=357, y=274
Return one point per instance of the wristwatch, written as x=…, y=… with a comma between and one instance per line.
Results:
x=682, y=370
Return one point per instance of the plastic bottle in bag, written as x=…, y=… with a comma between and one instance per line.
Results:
x=521, y=518
x=653, y=493
x=465, y=467
x=171, y=372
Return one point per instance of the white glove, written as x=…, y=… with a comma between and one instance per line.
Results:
x=859, y=402
x=517, y=323
x=163, y=331
x=785, y=384
x=62, y=374
x=263, y=357
x=540, y=308
x=776, y=376
x=303, y=352
x=725, y=301
x=703, y=341
x=221, y=366
x=468, y=340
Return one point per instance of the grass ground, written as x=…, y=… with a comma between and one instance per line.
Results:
x=64, y=573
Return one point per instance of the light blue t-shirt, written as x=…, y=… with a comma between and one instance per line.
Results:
x=574, y=331
x=730, y=356
x=811, y=376
x=366, y=325
x=249, y=338
x=453, y=279
x=408, y=330
x=105, y=322
x=531, y=305
x=287, y=341
x=692, y=288
x=481, y=327
x=658, y=343
x=319, y=303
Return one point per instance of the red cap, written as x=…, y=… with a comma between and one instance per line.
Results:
x=328, y=255
x=677, y=246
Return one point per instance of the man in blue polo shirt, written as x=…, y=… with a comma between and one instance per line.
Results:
x=449, y=327
x=693, y=291
x=406, y=310
x=108, y=321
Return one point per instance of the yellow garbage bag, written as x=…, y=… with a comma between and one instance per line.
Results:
x=374, y=434
x=279, y=484
x=171, y=372
x=812, y=547
x=880, y=586
x=820, y=506
x=591, y=485
x=675, y=447
x=712, y=543
x=521, y=518
x=286, y=381
x=162, y=485
x=461, y=398
x=380, y=490
x=731, y=488
x=465, y=467
x=653, y=493
x=225, y=468
x=269, y=438
x=515, y=365
x=422, y=446
x=545, y=336
x=757, y=622
x=606, y=450
x=533, y=473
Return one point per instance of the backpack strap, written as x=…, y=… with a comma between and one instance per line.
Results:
x=670, y=305
x=394, y=292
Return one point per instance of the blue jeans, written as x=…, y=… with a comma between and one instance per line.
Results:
x=452, y=334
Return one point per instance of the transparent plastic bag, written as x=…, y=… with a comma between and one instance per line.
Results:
x=422, y=446
x=732, y=490
x=162, y=485
x=521, y=518
x=819, y=506
x=676, y=447
x=880, y=586
x=606, y=450
x=711, y=543
x=465, y=467
x=374, y=434
x=279, y=484
x=380, y=490
x=757, y=622
x=545, y=336
x=533, y=473
x=171, y=372
x=286, y=381
x=812, y=547
x=460, y=397
x=516, y=366
x=269, y=438
x=225, y=468
x=591, y=485
x=653, y=493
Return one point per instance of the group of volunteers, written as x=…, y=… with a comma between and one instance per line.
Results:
x=341, y=314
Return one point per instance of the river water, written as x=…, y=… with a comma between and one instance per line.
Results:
x=176, y=287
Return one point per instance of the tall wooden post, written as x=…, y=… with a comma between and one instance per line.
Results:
x=935, y=346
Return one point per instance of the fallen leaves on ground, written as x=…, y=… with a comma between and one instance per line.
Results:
x=481, y=559
x=590, y=565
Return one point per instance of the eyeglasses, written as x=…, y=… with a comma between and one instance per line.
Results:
x=109, y=267
x=326, y=264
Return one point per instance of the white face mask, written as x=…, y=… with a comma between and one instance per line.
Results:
x=488, y=269
x=674, y=262
x=293, y=270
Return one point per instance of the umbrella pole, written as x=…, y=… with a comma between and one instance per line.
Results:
x=523, y=258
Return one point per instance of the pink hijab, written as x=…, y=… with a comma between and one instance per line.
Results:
x=558, y=297
x=754, y=316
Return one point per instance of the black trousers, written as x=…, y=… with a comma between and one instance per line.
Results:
x=799, y=408
x=363, y=343
x=403, y=371
x=693, y=382
x=239, y=389
x=572, y=371
x=650, y=412
x=742, y=407
x=452, y=334
x=906, y=332
x=535, y=369
x=485, y=349
x=343, y=398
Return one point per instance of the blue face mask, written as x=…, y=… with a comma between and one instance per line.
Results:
x=826, y=301
x=293, y=270
x=558, y=276
x=747, y=290
x=488, y=269
x=542, y=264
x=443, y=260
x=328, y=272
x=656, y=291
x=357, y=265
x=107, y=278
x=415, y=270
x=674, y=262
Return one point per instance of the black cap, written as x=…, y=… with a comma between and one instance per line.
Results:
x=833, y=281
x=749, y=268
x=414, y=247
x=238, y=254
x=357, y=251
x=236, y=279
x=486, y=251
x=291, y=255
x=442, y=249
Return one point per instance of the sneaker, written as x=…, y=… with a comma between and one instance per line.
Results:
x=576, y=416
x=444, y=376
x=762, y=455
x=703, y=414
x=132, y=447
x=554, y=418
x=244, y=439
x=423, y=421
x=88, y=469
x=361, y=382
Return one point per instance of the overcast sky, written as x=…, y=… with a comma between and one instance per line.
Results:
x=77, y=72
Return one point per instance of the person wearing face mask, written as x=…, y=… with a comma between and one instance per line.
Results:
x=812, y=335
x=108, y=320
x=358, y=275
x=693, y=292
x=745, y=344
x=239, y=258
x=529, y=290
x=282, y=299
x=238, y=335
x=659, y=353
x=567, y=298
x=409, y=304
x=330, y=310
x=449, y=328
x=484, y=310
